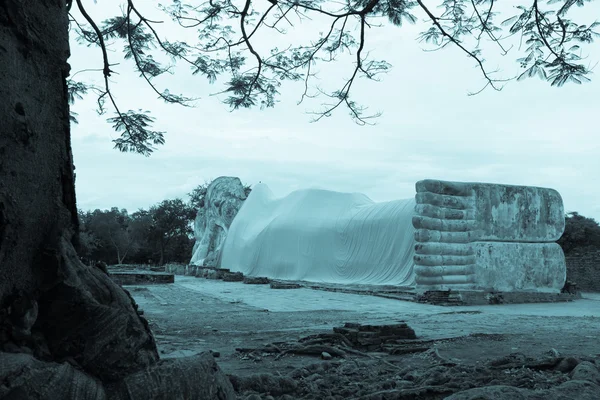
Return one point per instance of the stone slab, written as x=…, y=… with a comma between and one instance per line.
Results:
x=284, y=285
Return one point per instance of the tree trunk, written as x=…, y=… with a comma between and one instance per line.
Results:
x=162, y=254
x=51, y=304
x=38, y=214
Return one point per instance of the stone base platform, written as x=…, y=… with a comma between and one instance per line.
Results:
x=477, y=298
x=448, y=298
x=435, y=297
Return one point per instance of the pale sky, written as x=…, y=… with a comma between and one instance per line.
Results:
x=527, y=134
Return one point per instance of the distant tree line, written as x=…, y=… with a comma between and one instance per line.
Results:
x=164, y=233
x=159, y=235
x=581, y=234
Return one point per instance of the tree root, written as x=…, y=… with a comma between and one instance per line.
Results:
x=435, y=354
x=266, y=349
x=313, y=350
x=325, y=338
x=417, y=392
x=372, y=357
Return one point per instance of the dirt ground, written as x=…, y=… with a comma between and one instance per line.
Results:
x=504, y=347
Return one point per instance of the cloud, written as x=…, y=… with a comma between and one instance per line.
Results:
x=529, y=133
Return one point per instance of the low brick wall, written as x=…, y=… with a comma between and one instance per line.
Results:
x=141, y=278
x=583, y=268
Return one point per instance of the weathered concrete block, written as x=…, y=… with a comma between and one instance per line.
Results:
x=260, y=280
x=233, y=276
x=284, y=285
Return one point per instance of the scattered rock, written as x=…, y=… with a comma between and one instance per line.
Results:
x=215, y=354
x=233, y=277
x=194, y=377
x=326, y=356
x=579, y=390
x=567, y=364
x=586, y=371
x=284, y=285
x=499, y=392
x=316, y=350
x=513, y=360
x=256, y=280
x=264, y=383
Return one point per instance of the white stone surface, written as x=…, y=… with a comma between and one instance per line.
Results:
x=224, y=197
x=483, y=236
x=452, y=235
x=322, y=236
x=261, y=296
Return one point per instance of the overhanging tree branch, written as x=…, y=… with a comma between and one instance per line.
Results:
x=227, y=34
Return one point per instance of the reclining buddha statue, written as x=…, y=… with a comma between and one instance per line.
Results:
x=451, y=235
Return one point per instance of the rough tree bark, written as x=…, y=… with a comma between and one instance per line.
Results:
x=68, y=323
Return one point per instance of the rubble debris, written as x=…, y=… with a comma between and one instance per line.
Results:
x=233, y=277
x=375, y=337
x=373, y=379
x=284, y=285
x=256, y=280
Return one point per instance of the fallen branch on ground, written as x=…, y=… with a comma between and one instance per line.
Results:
x=314, y=350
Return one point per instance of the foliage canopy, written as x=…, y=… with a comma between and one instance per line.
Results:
x=162, y=233
x=227, y=31
x=581, y=233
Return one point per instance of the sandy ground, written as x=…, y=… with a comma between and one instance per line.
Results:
x=194, y=315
